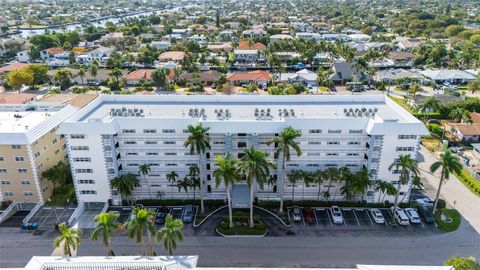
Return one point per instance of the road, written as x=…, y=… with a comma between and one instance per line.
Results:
x=467, y=203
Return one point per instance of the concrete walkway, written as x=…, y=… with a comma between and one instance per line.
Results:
x=453, y=191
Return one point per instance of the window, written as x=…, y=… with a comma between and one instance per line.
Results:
x=151, y=154
x=149, y=131
x=5, y=182
x=354, y=143
x=171, y=165
x=3, y=170
x=128, y=130
x=330, y=165
x=16, y=146
x=77, y=136
x=19, y=159
x=83, y=170
x=169, y=142
x=313, y=154
x=25, y=182
x=132, y=154
x=170, y=154
x=130, y=142
x=407, y=137
x=21, y=170
x=80, y=148
x=292, y=165
x=355, y=131
x=54, y=141
x=333, y=143
x=334, y=131
x=86, y=181
x=185, y=131
x=168, y=131
x=241, y=144
x=88, y=192
x=332, y=154
x=404, y=149
x=315, y=131
x=150, y=142
x=132, y=164
x=396, y=171
x=1, y=158
x=82, y=159
x=353, y=154
x=8, y=193
x=312, y=165
x=28, y=193
x=218, y=142
x=314, y=142
x=153, y=164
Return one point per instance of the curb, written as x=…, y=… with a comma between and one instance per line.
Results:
x=207, y=217
x=242, y=236
x=273, y=214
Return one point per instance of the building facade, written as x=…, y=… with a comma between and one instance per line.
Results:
x=114, y=135
x=29, y=144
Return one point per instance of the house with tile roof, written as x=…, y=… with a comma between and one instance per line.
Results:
x=466, y=131
x=258, y=77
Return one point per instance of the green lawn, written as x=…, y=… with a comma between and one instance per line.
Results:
x=448, y=226
x=61, y=196
x=431, y=144
x=401, y=102
x=242, y=229
x=469, y=181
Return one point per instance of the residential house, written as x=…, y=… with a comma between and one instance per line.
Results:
x=201, y=40
x=359, y=37
x=464, y=131
x=252, y=33
x=99, y=54
x=16, y=98
x=441, y=99
x=55, y=56
x=258, y=77
x=171, y=56
x=401, y=59
x=206, y=78
x=309, y=36
x=344, y=72
x=288, y=56
x=332, y=37
x=323, y=59
x=245, y=45
x=222, y=47
x=301, y=27
x=23, y=57
x=143, y=75
x=393, y=76
x=304, y=76
x=407, y=44
x=454, y=76
x=274, y=38
x=161, y=44
x=247, y=56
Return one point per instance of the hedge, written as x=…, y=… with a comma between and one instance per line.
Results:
x=434, y=115
x=469, y=181
x=313, y=203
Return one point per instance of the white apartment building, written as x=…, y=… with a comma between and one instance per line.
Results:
x=113, y=135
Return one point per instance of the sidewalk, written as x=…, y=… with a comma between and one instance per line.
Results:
x=453, y=191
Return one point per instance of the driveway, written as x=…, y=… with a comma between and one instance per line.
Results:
x=453, y=191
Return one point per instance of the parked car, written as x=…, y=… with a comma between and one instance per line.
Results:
x=309, y=215
x=426, y=214
x=425, y=202
x=400, y=217
x=296, y=214
x=433, y=121
x=412, y=215
x=377, y=216
x=161, y=214
x=214, y=86
x=188, y=215
x=336, y=214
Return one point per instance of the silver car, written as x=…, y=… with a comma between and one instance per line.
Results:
x=336, y=214
x=412, y=215
x=377, y=216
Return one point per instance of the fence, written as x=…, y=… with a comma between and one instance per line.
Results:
x=10, y=211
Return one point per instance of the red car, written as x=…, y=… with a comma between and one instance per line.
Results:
x=309, y=215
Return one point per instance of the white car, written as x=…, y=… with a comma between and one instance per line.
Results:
x=400, y=216
x=336, y=214
x=412, y=215
x=377, y=216
x=425, y=201
x=296, y=214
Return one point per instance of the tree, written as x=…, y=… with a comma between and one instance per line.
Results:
x=144, y=170
x=406, y=166
x=125, y=184
x=94, y=70
x=431, y=103
x=450, y=163
x=227, y=171
x=194, y=178
x=361, y=182
x=453, y=30
x=256, y=167
x=414, y=89
x=106, y=226
x=462, y=263
x=39, y=73
x=198, y=142
x=18, y=78
x=81, y=73
x=69, y=238
x=159, y=77
x=294, y=177
x=474, y=86
x=64, y=78
x=59, y=174
x=458, y=114
x=172, y=178
x=318, y=177
x=384, y=188
x=170, y=234
x=184, y=184
x=139, y=225
x=333, y=175
x=284, y=142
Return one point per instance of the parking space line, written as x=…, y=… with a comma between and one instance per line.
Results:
x=422, y=224
x=301, y=215
x=355, y=214
x=368, y=215
x=329, y=217
x=315, y=215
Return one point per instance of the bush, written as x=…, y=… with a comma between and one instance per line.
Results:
x=469, y=181
x=435, y=130
x=274, y=205
x=175, y=202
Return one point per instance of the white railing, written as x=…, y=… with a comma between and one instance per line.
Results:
x=78, y=211
x=11, y=210
x=35, y=209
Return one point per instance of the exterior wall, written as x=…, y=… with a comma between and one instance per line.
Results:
x=14, y=177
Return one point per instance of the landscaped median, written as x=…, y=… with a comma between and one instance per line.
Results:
x=241, y=226
x=469, y=181
x=448, y=220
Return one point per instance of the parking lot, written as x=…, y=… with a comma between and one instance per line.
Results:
x=177, y=212
x=356, y=219
x=47, y=217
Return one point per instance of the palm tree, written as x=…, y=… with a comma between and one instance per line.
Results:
x=137, y=226
x=381, y=187
x=318, y=177
x=69, y=237
x=106, y=225
x=294, y=177
x=429, y=104
x=284, y=143
x=361, y=182
x=458, y=114
x=144, y=170
x=333, y=175
x=256, y=167
x=170, y=234
x=184, y=184
x=94, y=71
x=194, y=179
x=81, y=73
x=198, y=141
x=450, y=163
x=172, y=178
x=226, y=171
x=125, y=184
x=407, y=166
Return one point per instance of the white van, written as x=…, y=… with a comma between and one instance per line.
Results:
x=401, y=217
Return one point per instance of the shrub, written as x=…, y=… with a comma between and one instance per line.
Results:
x=469, y=181
x=435, y=130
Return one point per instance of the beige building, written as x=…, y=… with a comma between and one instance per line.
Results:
x=29, y=144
